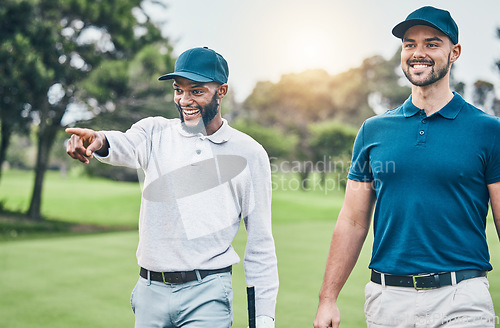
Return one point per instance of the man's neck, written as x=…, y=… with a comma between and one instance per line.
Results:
x=432, y=98
x=214, y=125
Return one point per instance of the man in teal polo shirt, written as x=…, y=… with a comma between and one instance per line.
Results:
x=428, y=168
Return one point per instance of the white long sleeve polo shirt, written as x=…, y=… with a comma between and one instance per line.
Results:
x=196, y=189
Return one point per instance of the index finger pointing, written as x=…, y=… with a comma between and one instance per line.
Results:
x=77, y=131
x=82, y=133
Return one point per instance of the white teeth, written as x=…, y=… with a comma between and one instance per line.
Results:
x=419, y=66
x=191, y=111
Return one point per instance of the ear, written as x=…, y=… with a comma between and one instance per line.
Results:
x=456, y=50
x=222, y=90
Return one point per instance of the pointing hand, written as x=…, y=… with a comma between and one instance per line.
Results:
x=84, y=142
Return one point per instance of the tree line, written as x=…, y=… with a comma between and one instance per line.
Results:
x=98, y=61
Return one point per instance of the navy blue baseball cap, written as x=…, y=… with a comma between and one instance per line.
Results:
x=437, y=18
x=200, y=65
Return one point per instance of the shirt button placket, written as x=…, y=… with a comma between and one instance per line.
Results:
x=422, y=128
x=198, y=145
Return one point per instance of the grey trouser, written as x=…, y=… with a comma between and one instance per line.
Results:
x=195, y=304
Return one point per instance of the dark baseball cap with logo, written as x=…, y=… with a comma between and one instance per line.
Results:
x=437, y=18
x=200, y=65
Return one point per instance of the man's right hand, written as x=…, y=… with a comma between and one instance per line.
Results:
x=84, y=142
x=328, y=315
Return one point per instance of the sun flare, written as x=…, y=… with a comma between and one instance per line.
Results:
x=309, y=48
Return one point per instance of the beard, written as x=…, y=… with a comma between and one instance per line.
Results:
x=208, y=112
x=434, y=76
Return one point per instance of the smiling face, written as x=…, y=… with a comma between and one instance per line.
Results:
x=198, y=104
x=427, y=55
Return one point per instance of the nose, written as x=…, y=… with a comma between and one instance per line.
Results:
x=185, y=99
x=419, y=52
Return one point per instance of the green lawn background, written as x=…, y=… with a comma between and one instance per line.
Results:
x=85, y=280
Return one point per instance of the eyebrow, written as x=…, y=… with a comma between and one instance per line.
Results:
x=435, y=38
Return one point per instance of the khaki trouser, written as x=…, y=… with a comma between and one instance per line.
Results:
x=467, y=304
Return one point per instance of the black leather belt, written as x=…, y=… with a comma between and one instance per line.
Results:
x=180, y=277
x=426, y=281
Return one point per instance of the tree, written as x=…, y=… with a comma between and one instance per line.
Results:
x=372, y=88
x=295, y=99
x=122, y=92
x=331, y=141
x=69, y=39
x=277, y=144
x=20, y=72
x=483, y=95
x=498, y=61
x=495, y=108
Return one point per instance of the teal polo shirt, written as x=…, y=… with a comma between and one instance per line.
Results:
x=430, y=176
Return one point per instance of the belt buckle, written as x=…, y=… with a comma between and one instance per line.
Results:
x=164, y=281
x=178, y=277
x=415, y=277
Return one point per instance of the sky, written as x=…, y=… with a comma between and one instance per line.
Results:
x=264, y=39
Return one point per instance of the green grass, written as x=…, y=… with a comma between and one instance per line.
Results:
x=74, y=199
x=80, y=281
x=86, y=280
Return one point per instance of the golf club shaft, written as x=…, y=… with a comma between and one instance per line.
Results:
x=251, y=306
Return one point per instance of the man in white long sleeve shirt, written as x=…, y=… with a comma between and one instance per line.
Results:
x=201, y=178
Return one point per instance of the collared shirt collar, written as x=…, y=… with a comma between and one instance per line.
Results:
x=220, y=136
x=449, y=111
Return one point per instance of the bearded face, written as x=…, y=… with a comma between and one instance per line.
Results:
x=425, y=72
x=190, y=115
